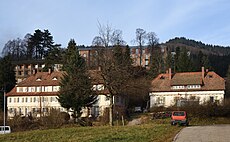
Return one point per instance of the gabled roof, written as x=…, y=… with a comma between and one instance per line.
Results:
x=189, y=78
x=42, y=79
x=51, y=79
x=211, y=81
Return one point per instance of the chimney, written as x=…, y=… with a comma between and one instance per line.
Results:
x=202, y=73
x=50, y=71
x=34, y=72
x=170, y=73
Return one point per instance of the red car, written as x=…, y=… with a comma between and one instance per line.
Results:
x=179, y=117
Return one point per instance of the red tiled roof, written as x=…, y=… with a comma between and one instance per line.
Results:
x=42, y=79
x=47, y=79
x=211, y=81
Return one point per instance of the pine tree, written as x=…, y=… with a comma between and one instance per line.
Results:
x=156, y=63
x=76, y=88
x=169, y=60
x=227, y=87
x=7, y=77
x=184, y=63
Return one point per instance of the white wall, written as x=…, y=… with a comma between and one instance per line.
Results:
x=203, y=96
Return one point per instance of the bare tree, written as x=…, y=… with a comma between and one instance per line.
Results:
x=112, y=72
x=140, y=40
x=152, y=43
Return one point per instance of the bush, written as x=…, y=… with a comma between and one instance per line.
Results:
x=206, y=110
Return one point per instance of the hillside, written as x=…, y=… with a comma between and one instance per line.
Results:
x=196, y=46
x=219, y=56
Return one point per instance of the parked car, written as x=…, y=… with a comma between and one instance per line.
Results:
x=161, y=115
x=5, y=130
x=179, y=117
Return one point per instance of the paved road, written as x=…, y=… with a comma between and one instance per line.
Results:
x=214, y=133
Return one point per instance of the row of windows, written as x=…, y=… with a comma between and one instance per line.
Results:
x=186, y=87
x=32, y=99
x=39, y=89
x=32, y=110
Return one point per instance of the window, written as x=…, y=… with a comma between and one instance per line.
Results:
x=32, y=89
x=39, y=79
x=55, y=88
x=26, y=99
x=106, y=98
x=94, y=87
x=38, y=89
x=22, y=100
x=31, y=99
x=211, y=99
x=160, y=100
x=100, y=87
x=137, y=51
x=20, y=89
x=10, y=100
x=26, y=111
x=18, y=100
x=25, y=89
x=54, y=78
x=34, y=99
x=143, y=51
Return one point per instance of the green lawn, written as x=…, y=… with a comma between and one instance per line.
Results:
x=141, y=133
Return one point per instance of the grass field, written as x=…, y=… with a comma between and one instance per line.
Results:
x=140, y=133
x=158, y=130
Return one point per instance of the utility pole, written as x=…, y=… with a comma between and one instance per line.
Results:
x=4, y=109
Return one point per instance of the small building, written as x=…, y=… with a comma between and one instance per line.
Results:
x=188, y=87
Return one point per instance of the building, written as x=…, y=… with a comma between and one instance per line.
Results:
x=189, y=87
x=24, y=69
x=35, y=95
x=38, y=93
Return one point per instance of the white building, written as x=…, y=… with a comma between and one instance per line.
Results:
x=188, y=87
x=38, y=93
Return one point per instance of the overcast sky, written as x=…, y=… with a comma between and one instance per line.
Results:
x=203, y=20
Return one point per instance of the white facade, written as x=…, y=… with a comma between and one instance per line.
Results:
x=26, y=104
x=167, y=99
x=33, y=104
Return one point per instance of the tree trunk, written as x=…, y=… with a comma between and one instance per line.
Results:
x=111, y=111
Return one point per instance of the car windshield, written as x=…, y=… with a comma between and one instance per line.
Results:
x=181, y=113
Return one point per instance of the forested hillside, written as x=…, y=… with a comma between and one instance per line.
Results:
x=218, y=56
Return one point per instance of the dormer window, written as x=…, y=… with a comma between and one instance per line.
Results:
x=39, y=79
x=210, y=76
x=54, y=78
x=162, y=77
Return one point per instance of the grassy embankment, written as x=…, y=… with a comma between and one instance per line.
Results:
x=157, y=131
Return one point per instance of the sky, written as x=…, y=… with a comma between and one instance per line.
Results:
x=202, y=20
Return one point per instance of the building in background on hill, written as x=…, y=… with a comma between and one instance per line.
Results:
x=186, y=88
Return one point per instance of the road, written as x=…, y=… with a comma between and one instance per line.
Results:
x=213, y=133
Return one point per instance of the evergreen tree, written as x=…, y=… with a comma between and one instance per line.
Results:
x=47, y=42
x=184, y=63
x=227, y=87
x=127, y=57
x=76, y=88
x=156, y=63
x=205, y=62
x=169, y=60
x=7, y=77
x=176, y=59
